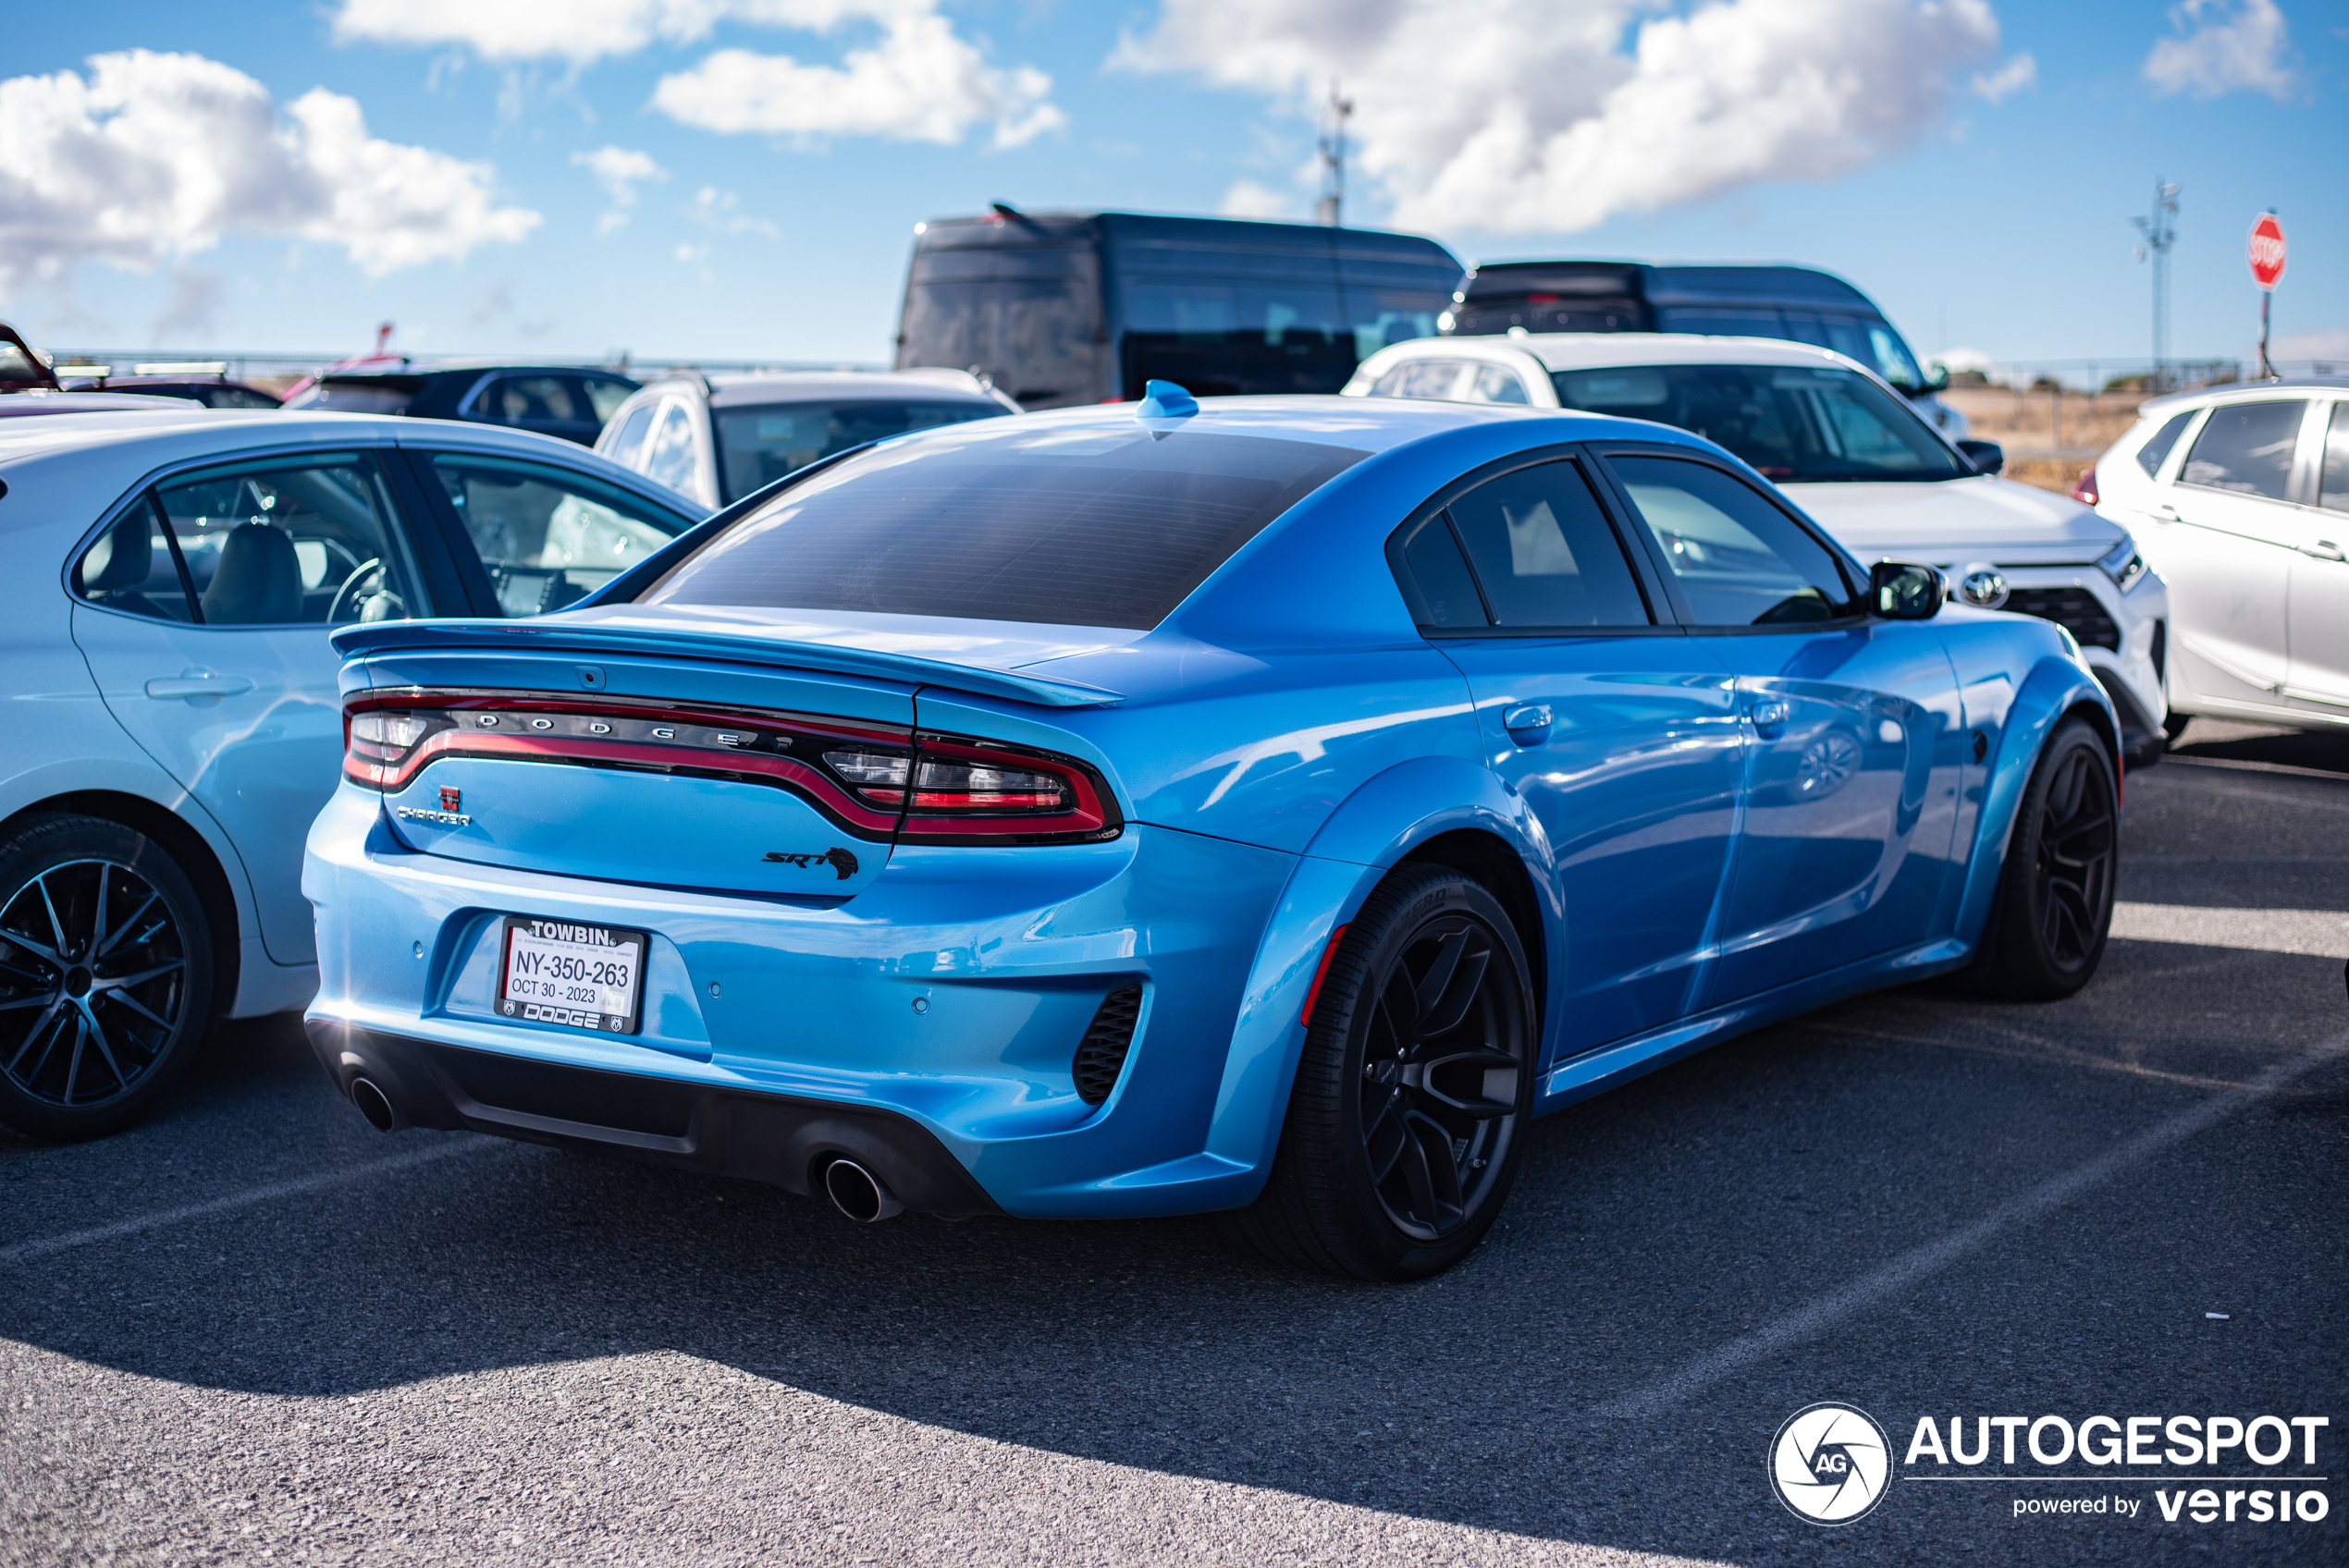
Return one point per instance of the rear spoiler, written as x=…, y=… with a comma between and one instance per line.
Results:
x=44, y=376
x=389, y=636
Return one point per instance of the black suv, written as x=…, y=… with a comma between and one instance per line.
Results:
x=565, y=401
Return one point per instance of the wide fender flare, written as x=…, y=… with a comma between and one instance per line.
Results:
x=1371, y=831
x=116, y=776
x=2055, y=687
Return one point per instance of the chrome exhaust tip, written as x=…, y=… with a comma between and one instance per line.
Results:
x=858, y=1193
x=374, y=1104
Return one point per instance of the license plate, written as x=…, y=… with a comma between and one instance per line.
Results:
x=563, y=972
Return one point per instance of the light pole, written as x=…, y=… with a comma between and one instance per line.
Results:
x=2157, y=231
x=1333, y=145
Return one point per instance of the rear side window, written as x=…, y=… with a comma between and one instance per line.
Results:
x=130, y=569
x=1435, y=576
x=534, y=399
x=1739, y=559
x=2151, y=455
x=669, y=456
x=631, y=439
x=1086, y=527
x=548, y=539
x=760, y=444
x=2334, y=495
x=2246, y=448
x=605, y=394
x=1545, y=553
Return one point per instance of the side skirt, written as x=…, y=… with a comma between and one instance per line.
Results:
x=1596, y=1072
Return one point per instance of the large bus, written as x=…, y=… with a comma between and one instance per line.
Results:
x=1797, y=305
x=1064, y=307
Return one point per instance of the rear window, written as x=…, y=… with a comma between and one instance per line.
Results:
x=762, y=443
x=361, y=395
x=1084, y=527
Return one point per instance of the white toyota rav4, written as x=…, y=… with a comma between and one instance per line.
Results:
x=1851, y=451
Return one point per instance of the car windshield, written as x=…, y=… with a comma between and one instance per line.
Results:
x=761, y=443
x=1084, y=526
x=1793, y=423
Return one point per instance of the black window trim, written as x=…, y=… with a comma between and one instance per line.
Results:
x=441, y=578
x=1855, y=576
x=1644, y=570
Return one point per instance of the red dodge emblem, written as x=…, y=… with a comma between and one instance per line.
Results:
x=451, y=800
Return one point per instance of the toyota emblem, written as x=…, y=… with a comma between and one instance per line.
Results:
x=1984, y=588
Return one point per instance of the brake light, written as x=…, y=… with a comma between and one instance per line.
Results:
x=2084, y=489
x=966, y=791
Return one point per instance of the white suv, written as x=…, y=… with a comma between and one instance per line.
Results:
x=1854, y=453
x=2240, y=495
x=718, y=438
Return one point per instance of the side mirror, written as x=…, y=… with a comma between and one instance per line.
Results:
x=1987, y=456
x=1936, y=378
x=1899, y=592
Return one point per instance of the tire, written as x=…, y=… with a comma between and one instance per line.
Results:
x=1402, y=1141
x=2054, y=905
x=106, y=976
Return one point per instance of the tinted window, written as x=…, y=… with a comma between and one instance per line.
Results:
x=1437, y=379
x=1739, y=559
x=1493, y=385
x=367, y=396
x=2246, y=448
x=548, y=539
x=130, y=569
x=2334, y=493
x=1792, y=422
x=1094, y=527
x=1435, y=577
x=1544, y=553
x=605, y=394
x=2150, y=455
x=234, y=397
x=290, y=544
x=1721, y=322
x=533, y=399
x=1027, y=315
x=760, y=444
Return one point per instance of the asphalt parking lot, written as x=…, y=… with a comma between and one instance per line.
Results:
x=254, y=1329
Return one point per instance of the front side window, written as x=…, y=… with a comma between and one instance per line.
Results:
x=548, y=539
x=668, y=454
x=2246, y=448
x=2150, y=455
x=1084, y=526
x=289, y=543
x=1792, y=422
x=1739, y=559
x=759, y=444
x=1545, y=553
x=1891, y=357
x=2333, y=487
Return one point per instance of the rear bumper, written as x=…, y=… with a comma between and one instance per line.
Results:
x=950, y=996
x=780, y=1139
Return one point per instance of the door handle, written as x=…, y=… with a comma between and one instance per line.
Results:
x=1769, y=717
x=204, y=685
x=1528, y=723
x=2324, y=550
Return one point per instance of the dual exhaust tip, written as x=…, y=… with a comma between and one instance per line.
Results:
x=855, y=1191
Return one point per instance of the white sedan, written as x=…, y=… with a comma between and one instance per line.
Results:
x=167, y=582
x=1851, y=451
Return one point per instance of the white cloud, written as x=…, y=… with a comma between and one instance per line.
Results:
x=1528, y=115
x=921, y=83
x=2220, y=49
x=618, y=170
x=2013, y=77
x=1246, y=199
x=158, y=156
x=716, y=210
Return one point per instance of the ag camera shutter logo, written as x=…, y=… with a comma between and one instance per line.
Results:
x=1830, y=1464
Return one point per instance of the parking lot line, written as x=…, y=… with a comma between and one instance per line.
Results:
x=1815, y=1317
x=2319, y=933
x=26, y=1252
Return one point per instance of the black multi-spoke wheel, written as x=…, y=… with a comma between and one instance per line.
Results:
x=104, y=975
x=2054, y=906
x=1415, y=1083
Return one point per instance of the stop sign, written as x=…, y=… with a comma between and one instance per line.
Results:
x=2267, y=250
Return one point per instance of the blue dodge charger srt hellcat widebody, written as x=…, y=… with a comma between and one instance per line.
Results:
x=1265, y=806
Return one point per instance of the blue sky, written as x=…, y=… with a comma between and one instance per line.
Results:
x=1975, y=170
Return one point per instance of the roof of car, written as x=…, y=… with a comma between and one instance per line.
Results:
x=461, y=367
x=42, y=401
x=735, y=390
x=1581, y=350
x=2245, y=388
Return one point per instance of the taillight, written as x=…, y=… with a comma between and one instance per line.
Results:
x=2084, y=489
x=378, y=742
x=966, y=790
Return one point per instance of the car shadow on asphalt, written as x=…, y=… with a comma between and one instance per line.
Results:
x=1648, y=1226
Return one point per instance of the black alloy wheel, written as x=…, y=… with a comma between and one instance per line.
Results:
x=2054, y=907
x=1413, y=1091
x=104, y=975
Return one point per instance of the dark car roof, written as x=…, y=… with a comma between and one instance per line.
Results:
x=1662, y=283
